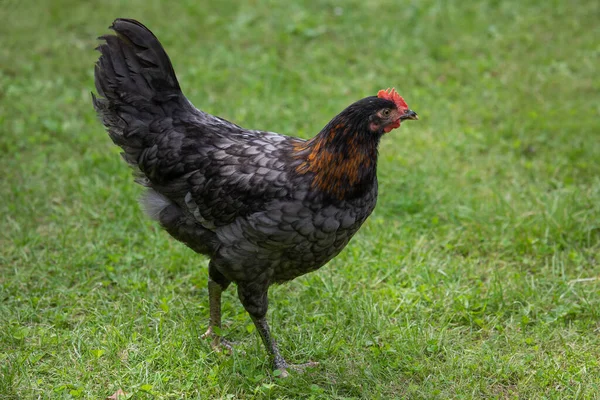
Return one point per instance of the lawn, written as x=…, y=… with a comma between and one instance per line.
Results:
x=477, y=276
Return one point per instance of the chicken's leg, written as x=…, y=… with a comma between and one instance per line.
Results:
x=265, y=333
x=216, y=284
x=256, y=305
x=214, y=304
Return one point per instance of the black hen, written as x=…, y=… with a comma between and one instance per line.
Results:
x=264, y=207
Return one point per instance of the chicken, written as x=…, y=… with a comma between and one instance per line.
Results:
x=265, y=208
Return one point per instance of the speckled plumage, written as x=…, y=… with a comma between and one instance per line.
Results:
x=266, y=208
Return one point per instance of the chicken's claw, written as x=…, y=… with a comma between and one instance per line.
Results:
x=218, y=344
x=296, y=367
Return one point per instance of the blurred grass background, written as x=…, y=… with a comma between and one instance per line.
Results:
x=477, y=275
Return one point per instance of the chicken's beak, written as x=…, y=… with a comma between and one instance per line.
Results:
x=409, y=114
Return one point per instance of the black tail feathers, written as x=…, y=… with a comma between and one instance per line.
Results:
x=134, y=67
x=137, y=86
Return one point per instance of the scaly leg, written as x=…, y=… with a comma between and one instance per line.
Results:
x=214, y=302
x=256, y=304
x=265, y=333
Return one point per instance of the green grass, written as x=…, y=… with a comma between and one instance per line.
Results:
x=478, y=275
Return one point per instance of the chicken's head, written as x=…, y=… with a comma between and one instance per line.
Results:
x=391, y=112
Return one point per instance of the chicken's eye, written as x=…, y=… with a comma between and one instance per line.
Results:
x=386, y=112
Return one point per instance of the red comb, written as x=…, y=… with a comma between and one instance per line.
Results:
x=391, y=94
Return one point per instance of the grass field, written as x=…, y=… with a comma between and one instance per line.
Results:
x=478, y=275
